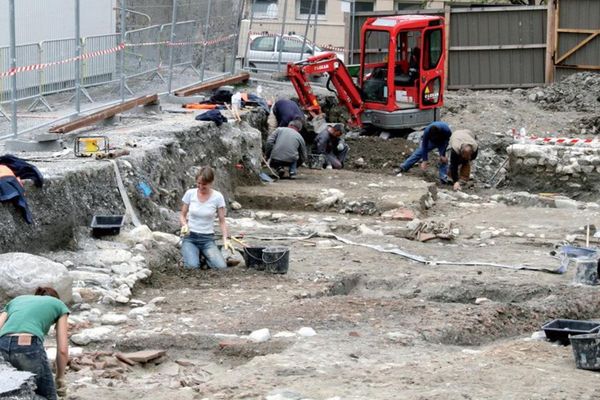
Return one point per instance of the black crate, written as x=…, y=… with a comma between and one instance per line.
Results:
x=104, y=225
x=560, y=329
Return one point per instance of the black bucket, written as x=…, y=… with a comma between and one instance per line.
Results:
x=253, y=258
x=586, y=350
x=276, y=259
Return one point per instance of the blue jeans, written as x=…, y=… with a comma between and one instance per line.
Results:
x=292, y=165
x=195, y=243
x=337, y=158
x=417, y=155
x=31, y=358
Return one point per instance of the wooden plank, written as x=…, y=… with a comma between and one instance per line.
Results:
x=550, y=32
x=568, y=30
x=202, y=87
x=499, y=47
x=579, y=45
x=104, y=114
x=580, y=66
x=496, y=86
x=496, y=9
x=447, y=44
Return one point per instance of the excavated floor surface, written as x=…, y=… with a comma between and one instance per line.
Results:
x=387, y=327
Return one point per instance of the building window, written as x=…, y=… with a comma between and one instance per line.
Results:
x=408, y=5
x=267, y=9
x=305, y=10
x=360, y=6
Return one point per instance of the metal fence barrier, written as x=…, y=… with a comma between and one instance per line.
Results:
x=187, y=52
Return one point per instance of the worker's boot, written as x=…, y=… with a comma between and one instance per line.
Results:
x=280, y=172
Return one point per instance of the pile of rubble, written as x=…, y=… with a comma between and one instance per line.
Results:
x=578, y=92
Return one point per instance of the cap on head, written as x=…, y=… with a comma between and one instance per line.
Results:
x=339, y=128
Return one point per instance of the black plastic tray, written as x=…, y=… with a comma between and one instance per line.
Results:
x=560, y=329
x=104, y=225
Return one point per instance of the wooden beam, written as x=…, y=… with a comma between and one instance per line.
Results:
x=569, y=30
x=447, y=17
x=581, y=66
x=579, y=45
x=202, y=87
x=557, y=25
x=499, y=47
x=104, y=114
x=550, y=32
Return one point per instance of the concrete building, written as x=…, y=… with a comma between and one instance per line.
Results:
x=269, y=15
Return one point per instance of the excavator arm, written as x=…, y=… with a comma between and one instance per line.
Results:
x=347, y=92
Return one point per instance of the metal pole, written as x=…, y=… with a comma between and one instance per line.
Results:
x=207, y=23
x=78, y=62
x=312, y=4
x=122, y=54
x=13, y=65
x=172, y=40
x=285, y=6
x=248, y=34
x=316, y=23
x=236, y=41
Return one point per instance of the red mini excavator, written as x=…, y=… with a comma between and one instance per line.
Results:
x=401, y=77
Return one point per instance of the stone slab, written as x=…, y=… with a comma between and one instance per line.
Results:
x=144, y=356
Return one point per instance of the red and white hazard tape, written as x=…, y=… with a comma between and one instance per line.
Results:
x=36, y=67
x=294, y=39
x=200, y=42
x=559, y=141
x=85, y=56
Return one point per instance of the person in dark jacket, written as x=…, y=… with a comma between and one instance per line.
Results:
x=12, y=170
x=330, y=143
x=283, y=112
x=286, y=148
x=436, y=136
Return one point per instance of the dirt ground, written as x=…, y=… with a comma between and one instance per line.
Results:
x=386, y=327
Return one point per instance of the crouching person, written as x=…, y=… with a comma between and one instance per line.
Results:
x=332, y=146
x=463, y=150
x=24, y=324
x=285, y=147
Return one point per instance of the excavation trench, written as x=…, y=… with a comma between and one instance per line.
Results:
x=206, y=315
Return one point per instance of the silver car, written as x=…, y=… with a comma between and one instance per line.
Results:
x=264, y=51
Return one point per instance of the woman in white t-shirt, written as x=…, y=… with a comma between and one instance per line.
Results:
x=200, y=207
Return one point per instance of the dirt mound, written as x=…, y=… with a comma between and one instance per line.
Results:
x=578, y=92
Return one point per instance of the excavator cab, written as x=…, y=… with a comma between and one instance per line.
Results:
x=402, y=70
x=401, y=77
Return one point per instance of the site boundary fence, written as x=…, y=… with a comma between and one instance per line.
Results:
x=140, y=61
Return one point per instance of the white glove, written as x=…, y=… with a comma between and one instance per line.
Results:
x=185, y=230
x=340, y=146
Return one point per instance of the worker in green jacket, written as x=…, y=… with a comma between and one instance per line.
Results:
x=24, y=324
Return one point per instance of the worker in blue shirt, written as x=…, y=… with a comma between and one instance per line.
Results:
x=282, y=113
x=436, y=136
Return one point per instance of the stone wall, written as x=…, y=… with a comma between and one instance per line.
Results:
x=547, y=168
x=166, y=159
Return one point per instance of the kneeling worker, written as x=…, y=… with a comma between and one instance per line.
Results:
x=330, y=143
x=24, y=324
x=463, y=150
x=285, y=147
